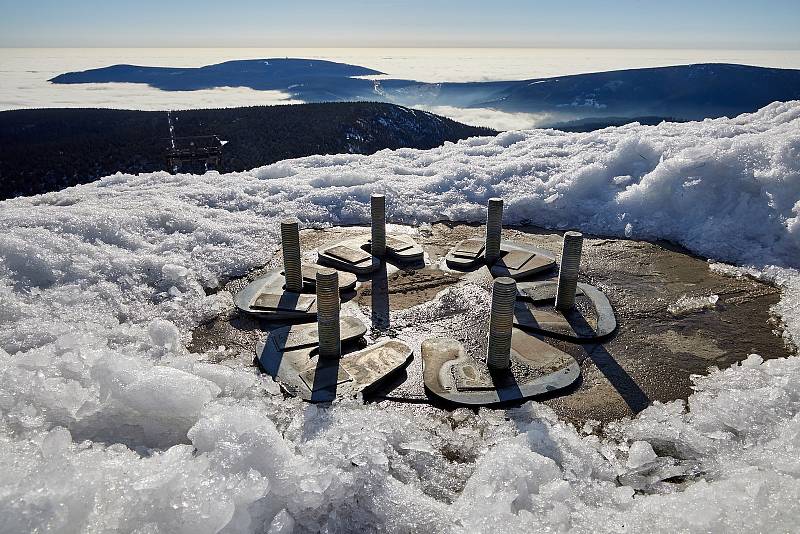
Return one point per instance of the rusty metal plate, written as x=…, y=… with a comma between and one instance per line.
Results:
x=373, y=363
x=469, y=248
x=324, y=375
x=348, y=254
x=309, y=273
x=515, y=259
x=397, y=245
x=284, y=302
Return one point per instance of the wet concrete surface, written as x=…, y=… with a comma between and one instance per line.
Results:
x=658, y=345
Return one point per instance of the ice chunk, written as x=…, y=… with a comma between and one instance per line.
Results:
x=56, y=441
x=164, y=334
x=166, y=392
x=420, y=446
x=648, y=476
x=174, y=273
x=282, y=523
x=688, y=304
x=640, y=453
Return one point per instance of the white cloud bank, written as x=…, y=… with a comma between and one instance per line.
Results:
x=492, y=118
x=107, y=423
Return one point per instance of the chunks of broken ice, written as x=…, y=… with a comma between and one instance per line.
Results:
x=688, y=304
x=651, y=476
x=419, y=446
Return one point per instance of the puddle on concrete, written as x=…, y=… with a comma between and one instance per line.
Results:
x=650, y=357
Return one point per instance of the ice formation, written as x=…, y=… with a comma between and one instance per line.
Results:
x=687, y=304
x=110, y=424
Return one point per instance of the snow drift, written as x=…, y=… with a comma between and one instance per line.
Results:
x=110, y=424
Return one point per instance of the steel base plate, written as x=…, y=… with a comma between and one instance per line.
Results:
x=266, y=298
x=347, y=281
x=301, y=336
x=302, y=373
x=456, y=377
x=349, y=256
x=517, y=260
x=353, y=254
x=590, y=320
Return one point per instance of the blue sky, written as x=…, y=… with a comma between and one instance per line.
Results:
x=738, y=24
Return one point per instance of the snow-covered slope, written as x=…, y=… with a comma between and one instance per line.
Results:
x=109, y=424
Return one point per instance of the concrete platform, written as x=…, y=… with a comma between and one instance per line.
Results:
x=456, y=377
x=651, y=356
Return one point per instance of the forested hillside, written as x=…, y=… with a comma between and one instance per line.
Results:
x=49, y=149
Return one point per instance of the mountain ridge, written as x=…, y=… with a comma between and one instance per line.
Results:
x=685, y=92
x=49, y=149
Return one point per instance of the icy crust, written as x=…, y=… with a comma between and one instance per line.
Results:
x=109, y=424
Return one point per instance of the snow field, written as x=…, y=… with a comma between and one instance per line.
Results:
x=108, y=423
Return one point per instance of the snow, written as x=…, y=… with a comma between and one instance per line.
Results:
x=109, y=423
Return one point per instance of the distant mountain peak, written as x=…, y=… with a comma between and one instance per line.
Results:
x=259, y=74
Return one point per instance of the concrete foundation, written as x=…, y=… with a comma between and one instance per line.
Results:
x=649, y=357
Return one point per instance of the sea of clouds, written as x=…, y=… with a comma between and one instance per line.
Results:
x=26, y=71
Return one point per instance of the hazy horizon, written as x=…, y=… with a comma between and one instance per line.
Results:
x=692, y=24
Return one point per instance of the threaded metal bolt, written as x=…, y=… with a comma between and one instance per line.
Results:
x=501, y=323
x=568, y=271
x=330, y=345
x=494, y=229
x=378, y=207
x=290, y=240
